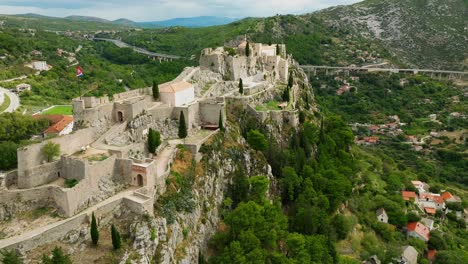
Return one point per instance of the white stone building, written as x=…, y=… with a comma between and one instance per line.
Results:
x=382, y=216
x=177, y=93
x=40, y=65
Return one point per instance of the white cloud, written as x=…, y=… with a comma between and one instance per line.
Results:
x=152, y=10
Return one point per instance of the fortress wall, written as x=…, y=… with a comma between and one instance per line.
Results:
x=39, y=175
x=100, y=116
x=16, y=201
x=209, y=112
x=132, y=93
x=161, y=113
x=31, y=156
x=71, y=200
x=191, y=114
x=122, y=171
x=73, y=168
x=51, y=235
x=11, y=178
x=143, y=207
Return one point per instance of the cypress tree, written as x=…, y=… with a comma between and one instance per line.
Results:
x=116, y=242
x=247, y=49
x=151, y=141
x=277, y=50
x=94, y=230
x=155, y=90
x=220, y=121
x=290, y=81
x=182, y=126
x=241, y=86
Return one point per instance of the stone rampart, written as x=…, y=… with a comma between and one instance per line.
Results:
x=39, y=175
x=132, y=94
x=209, y=112
x=31, y=170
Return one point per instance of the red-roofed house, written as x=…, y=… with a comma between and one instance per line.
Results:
x=61, y=124
x=448, y=197
x=418, y=230
x=431, y=200
x=409, y=196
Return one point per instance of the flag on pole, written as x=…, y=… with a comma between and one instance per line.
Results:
x=79, y=72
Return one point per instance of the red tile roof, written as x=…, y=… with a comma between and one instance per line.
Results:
x=419, y=229
x=447, y=195
x=408, y=195
x=430, y=210
x=432, y=197
x=59, y=122
x=431, y=254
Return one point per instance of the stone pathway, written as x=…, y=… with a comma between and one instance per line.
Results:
x=163, y=158
x=41, y=230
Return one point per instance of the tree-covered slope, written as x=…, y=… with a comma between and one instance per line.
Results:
x=422, y=33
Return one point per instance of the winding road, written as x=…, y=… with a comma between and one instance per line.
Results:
x=14, y=100
x=122, y=44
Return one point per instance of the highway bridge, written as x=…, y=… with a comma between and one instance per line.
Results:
x=433, y=73
x=159, y=56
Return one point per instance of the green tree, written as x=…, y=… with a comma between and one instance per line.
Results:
x=116, y=241
x=290, y=182
x=241, y=86
x=278, y=50
x=94, y=230
x=154, y=140
x=182, y=126
x=258, y=188
x=155, y=90
x=220, y=121
x=10, y=257
x=286, y=95
x=290, y=80
x=58, y=257
x=8, y=155
x=257, y=140
x=51, y=150
x=247, y=49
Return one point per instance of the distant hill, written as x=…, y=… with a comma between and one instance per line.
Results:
x=88, y=18
x=422, y=33
x=192, y=22
x=73, y=23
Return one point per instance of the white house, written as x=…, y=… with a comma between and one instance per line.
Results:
x=40, y=65
x=177, y=93
x=382, y=216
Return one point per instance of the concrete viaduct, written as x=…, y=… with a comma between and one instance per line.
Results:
x=433, y=73
x=154, y=55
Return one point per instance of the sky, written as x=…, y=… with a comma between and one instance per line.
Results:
x=155, y=10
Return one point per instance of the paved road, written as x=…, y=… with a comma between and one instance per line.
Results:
x=122, y=44
x=14, y=100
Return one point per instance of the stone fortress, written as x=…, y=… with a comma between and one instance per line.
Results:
x=106, y=155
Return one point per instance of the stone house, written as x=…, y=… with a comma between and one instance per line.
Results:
x=409, y=255
x=177, y=93
x=421, y=186
x=382, y=216
x=430, y=200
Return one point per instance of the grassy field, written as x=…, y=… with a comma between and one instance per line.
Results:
x=60, y=110
x=5, y=104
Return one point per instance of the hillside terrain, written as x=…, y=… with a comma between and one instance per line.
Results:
x=298, y=171
x=422, y=33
